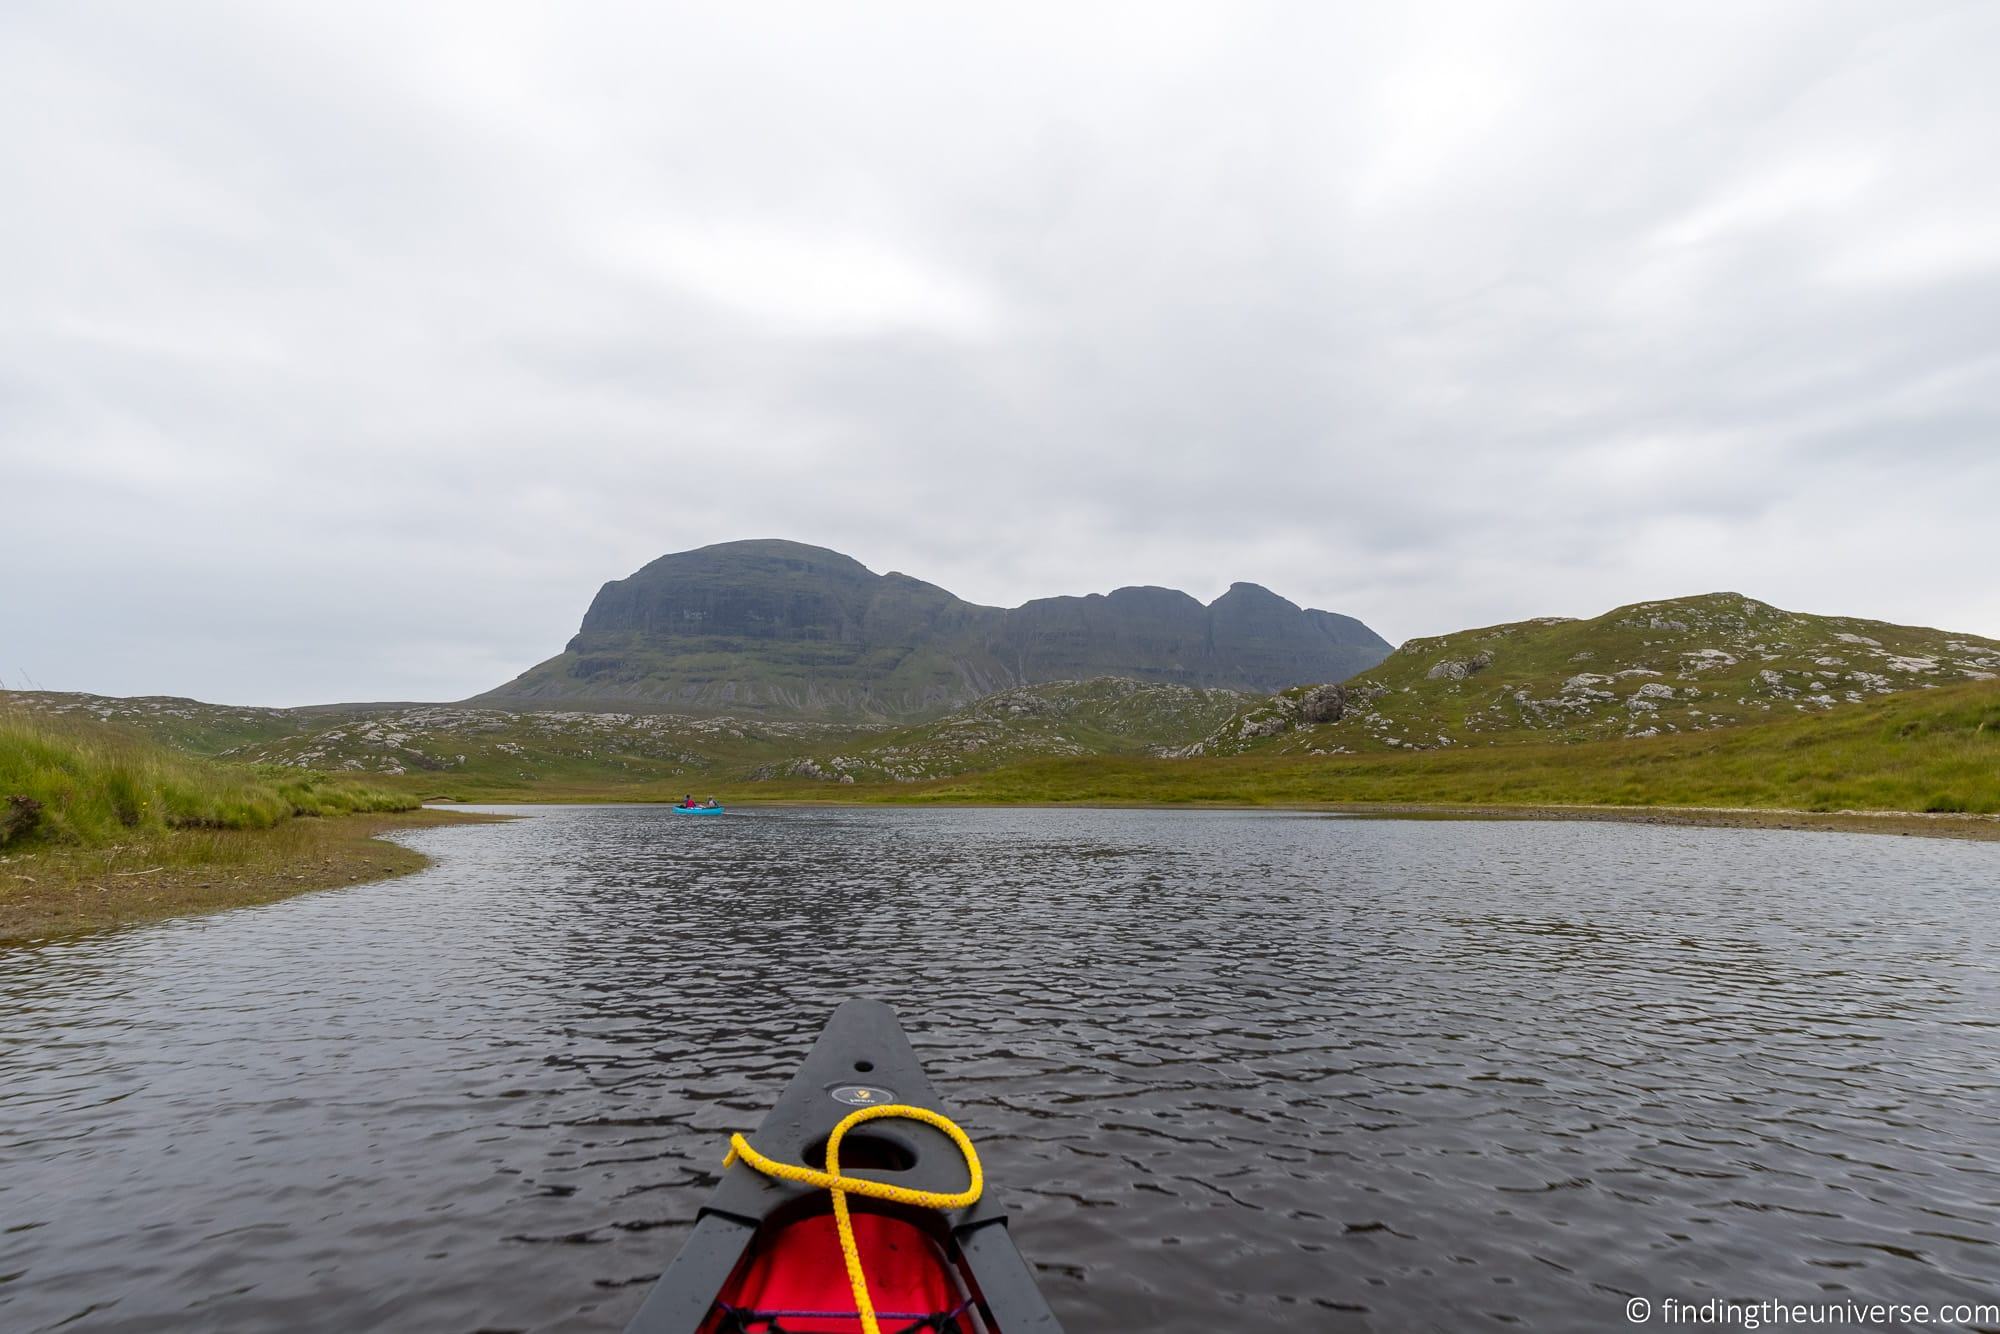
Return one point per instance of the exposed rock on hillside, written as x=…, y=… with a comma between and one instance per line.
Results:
x=568, y=747
x=1304, y=706
x=1457, y=669
x=1322, y=704
x=1107, y=716
x=1689, y=664
x=493, y=746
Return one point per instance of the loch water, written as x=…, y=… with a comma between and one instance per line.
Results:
x=1238, y=1071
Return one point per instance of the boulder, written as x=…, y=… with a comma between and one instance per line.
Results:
x=1269, y=724
x=1457, y=669
x=1322, y=704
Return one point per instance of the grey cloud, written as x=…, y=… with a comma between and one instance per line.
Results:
x=347, y=350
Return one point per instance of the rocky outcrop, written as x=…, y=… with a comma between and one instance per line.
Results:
x=1307, y=706
x=1457, y=669
x=1322, y=704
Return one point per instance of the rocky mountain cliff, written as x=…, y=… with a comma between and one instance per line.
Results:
x=1682, y=665
x=779, y=628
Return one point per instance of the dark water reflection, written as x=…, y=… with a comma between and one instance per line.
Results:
x=1235, y=1071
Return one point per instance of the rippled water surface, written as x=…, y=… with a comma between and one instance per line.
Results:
x=1233, y=1071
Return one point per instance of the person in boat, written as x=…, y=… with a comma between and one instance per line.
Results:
x=687, y=800
x=711, y=803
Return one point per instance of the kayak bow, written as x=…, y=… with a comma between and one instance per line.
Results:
x=768, y=1247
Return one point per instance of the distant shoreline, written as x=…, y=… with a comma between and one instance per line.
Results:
x=1921, y=824
x=56, y=893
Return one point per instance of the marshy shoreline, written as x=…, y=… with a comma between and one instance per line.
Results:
x=52, y=893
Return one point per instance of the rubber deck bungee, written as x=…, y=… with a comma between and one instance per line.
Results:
x=839, y=1187
x=857, y=1207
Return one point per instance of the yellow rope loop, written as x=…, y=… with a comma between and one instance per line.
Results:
x=840, y=1187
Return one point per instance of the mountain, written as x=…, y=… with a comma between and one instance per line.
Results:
x=1683, y=665
x=779, y=628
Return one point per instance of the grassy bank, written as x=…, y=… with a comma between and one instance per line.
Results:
x=99, y=827
x=1926, y=751
x=65, y=890
x=74, y=783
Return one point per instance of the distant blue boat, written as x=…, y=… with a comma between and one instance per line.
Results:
x=696, y=810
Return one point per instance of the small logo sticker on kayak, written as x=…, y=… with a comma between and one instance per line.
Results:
x=860, y=1095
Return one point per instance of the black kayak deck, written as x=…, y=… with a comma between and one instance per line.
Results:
x=862, y=1059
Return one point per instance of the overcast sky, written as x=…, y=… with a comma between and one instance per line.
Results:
x=345, y=349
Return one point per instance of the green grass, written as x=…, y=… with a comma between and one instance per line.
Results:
x=91, y=784
x=1103, y=716
x=1922, y=750
x=454, y=749
x=1916, y=750
x=1928, y=750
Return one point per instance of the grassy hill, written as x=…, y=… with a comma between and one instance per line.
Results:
x=182, y=724
x=1929, y=750
x=453, y=750
x=422, y=746
x=1653, y=668
x=1932, y=750
x=1106, y=716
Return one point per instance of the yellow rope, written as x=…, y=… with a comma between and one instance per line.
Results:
x=840, y=1187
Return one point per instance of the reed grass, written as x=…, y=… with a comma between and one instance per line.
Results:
x=80, y=783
